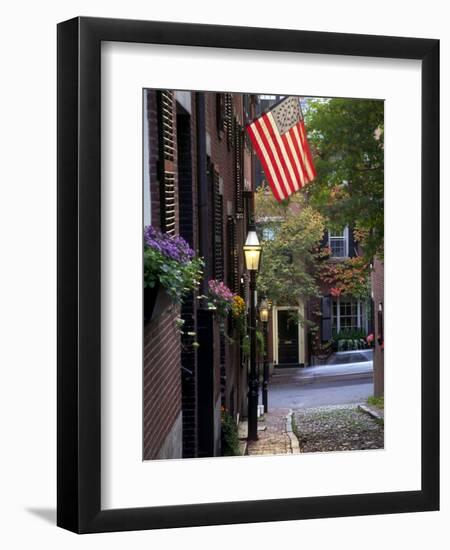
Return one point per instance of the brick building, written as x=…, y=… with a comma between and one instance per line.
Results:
x=197, y=174
x=377, y=280
x=291, y=343
x=345, y=313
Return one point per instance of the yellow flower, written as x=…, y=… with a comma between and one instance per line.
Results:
x=238, y=306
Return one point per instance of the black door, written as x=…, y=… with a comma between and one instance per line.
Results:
x=287, y=337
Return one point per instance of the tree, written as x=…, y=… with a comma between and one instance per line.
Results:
x=347, y=139
x=289, y=259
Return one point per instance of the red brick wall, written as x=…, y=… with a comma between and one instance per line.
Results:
x=162, y=363
x=169, y=389
x=162, y=381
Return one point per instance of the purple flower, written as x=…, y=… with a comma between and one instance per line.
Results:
x=220, y=290
x=172, y=247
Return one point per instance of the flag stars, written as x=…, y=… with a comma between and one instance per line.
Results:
x=286, y=114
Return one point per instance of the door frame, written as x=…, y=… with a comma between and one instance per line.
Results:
x=301, y=340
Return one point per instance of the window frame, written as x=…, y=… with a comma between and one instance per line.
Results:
x=344, y=237
x=361, y=315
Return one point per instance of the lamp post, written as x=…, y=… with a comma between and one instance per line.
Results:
x=264, y=318
x=252, y=254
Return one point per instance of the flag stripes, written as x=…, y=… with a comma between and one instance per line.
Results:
x=285, y=155
x=265, y=161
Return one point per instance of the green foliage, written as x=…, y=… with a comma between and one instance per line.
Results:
x=268, y=208
x=177, y=278
x=347, y=278
x=348, y=340
x=288, y=262
x=351, y=344
x=347, y=139
x=349, y=334
x=260, y=344
x=376, y=401
x=245, y=346
x=229, y=435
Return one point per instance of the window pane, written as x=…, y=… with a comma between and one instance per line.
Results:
x=347, y=316
x=338, y=233
x=338, y=242
x=337, y=246
x=268, y=234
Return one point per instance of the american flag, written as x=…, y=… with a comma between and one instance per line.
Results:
x=279, y=139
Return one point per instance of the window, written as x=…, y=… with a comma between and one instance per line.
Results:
x=338, y=242
x=268, y=234
x=349, y=314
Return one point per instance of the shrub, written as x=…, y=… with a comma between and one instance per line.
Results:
x=229, y=435
x=348, y=340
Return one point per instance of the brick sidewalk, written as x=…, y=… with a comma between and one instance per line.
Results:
x=275, y=439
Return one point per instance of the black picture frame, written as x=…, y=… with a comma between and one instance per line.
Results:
x=79, y=321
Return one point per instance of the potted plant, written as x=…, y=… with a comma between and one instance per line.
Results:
x=171, y=270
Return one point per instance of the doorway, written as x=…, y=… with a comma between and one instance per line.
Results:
x=288, y=330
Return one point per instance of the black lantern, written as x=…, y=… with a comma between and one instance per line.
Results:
x=252, y=251
x=264, y=311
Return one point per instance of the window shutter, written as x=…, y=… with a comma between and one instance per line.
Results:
x=324, y=241
x=238, y=167
x=233, y=259
x=218, y=229
x=326, y=318
x=351, y=243
x=166, y=160
x=229, y=119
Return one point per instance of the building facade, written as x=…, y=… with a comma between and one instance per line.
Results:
x=197, y=183
x=326, y=319
x=338, y=315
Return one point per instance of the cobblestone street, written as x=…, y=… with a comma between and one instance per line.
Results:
x=337, y=428
x=320, y=429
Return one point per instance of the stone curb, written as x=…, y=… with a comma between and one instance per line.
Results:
x=295, y=446
x=371, y=412
x=243, y=447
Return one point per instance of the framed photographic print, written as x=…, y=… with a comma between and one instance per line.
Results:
x=248, y=309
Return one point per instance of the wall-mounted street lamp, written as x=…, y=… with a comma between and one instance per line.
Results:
x=264, y=318
x=252, y=250
x=252, y=253
x=264, y=311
